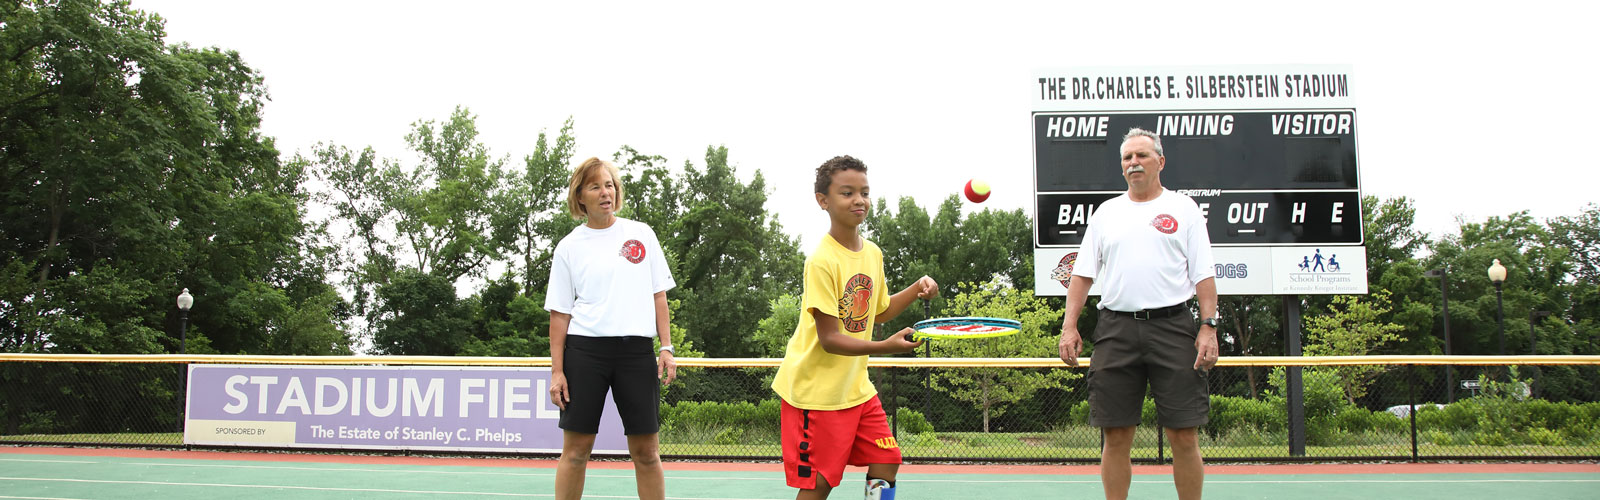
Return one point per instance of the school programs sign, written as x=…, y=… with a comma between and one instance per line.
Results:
x=498, y=409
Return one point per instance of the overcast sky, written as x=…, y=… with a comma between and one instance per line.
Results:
x=1471, y=111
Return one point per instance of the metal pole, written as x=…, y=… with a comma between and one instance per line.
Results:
x=1500, y=314
x=1411, y=397
x=893, y=408
x=927, y=372
x=183, y=331
x=1449, y=370
x=1297, y=402
x=1533, y=347
x=183, y=369
x=1161, y=445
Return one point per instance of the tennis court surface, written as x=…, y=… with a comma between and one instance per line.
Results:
x=82, y=473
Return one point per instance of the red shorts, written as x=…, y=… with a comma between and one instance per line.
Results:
x=822, y=442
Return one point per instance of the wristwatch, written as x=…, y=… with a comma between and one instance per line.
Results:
x=668, y=348
x=1213, y=322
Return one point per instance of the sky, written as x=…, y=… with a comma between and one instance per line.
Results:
x=1462, y=106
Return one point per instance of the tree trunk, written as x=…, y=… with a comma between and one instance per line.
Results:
x=1244, y=350
x=56, y=209
x=986, y=406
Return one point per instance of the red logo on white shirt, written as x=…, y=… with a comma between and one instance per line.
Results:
x=1165, y=223
x=633, y=250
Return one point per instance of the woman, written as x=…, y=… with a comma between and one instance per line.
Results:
x=605, y=274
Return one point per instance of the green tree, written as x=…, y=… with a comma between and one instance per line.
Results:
x=531, y=211
x=732, y=256
x=1575, y=328
x=773, y=333
x=1252, y=326
x=993, y=390
x=1352, y=328
x=418, y=314
x=358, y=198
x=131, y=169
x=507, y=323
x=951, y=248
x=444, y=203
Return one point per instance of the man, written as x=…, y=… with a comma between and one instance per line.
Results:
x=1149, y=250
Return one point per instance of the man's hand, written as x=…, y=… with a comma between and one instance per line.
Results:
x=1206, y=343
x=926, y=288
x=1070, y=345
x=666, y=368
x=558, y=390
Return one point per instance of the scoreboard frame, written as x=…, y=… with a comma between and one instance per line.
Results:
x=1275, y=169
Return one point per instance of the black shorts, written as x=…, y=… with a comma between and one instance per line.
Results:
x=1131, y=354
x=625, y=366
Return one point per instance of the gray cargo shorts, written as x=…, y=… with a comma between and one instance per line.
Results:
x=1131, y=354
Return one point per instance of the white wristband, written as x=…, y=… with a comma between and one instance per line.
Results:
x=668, y=348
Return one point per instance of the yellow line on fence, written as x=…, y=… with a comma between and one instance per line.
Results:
x=773, y=362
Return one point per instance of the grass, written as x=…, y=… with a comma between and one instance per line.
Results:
x=121, y=438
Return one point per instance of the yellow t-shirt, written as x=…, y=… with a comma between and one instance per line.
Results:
x=848, y=287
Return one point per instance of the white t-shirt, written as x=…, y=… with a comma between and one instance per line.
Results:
x=1146, y=255
x=607, y=279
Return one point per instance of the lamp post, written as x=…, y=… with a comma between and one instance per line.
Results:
x=185, y=301
x=1533, y=345
x=1444, y=296
x=1497, y=275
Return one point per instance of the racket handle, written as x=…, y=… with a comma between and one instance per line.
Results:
x=911, y=337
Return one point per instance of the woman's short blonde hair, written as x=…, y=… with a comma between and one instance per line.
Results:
x=575, y=188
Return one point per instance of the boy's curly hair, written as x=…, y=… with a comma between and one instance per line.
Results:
x=833, y=166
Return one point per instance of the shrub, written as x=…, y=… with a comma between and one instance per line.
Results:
x=1079, y=414
x=1229, y=414
x=721, y=423
x=1546, y=437
x=911, y=421
x=1459, y=416
x=1323, y=394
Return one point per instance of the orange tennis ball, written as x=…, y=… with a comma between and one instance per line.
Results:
x=977, y=191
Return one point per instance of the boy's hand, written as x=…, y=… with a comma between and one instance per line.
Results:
x=901, y=341
x=926, y=288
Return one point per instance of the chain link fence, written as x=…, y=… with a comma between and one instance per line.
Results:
x=993, y=410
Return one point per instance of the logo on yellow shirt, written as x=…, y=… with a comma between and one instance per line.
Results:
x=853, y=305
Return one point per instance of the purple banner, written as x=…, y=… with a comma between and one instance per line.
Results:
x=500, y=409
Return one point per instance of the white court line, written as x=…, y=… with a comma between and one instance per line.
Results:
x=47, y=461
x=778, y=478
x=402, y=471
x=342, y=469
x=443, y=472
x=353, y=490
x=1264, y=481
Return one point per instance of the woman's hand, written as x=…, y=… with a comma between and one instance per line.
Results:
x=558, y=390
x=666, y=368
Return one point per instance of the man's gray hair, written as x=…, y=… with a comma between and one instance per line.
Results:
x=1139, y=132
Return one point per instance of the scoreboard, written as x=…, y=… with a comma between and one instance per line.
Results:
x=1269, y=154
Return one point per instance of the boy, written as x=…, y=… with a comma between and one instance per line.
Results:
x=831, y=414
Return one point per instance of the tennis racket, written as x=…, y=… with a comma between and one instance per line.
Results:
x=963, y=328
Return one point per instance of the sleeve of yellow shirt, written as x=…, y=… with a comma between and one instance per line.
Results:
x=822, y=288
